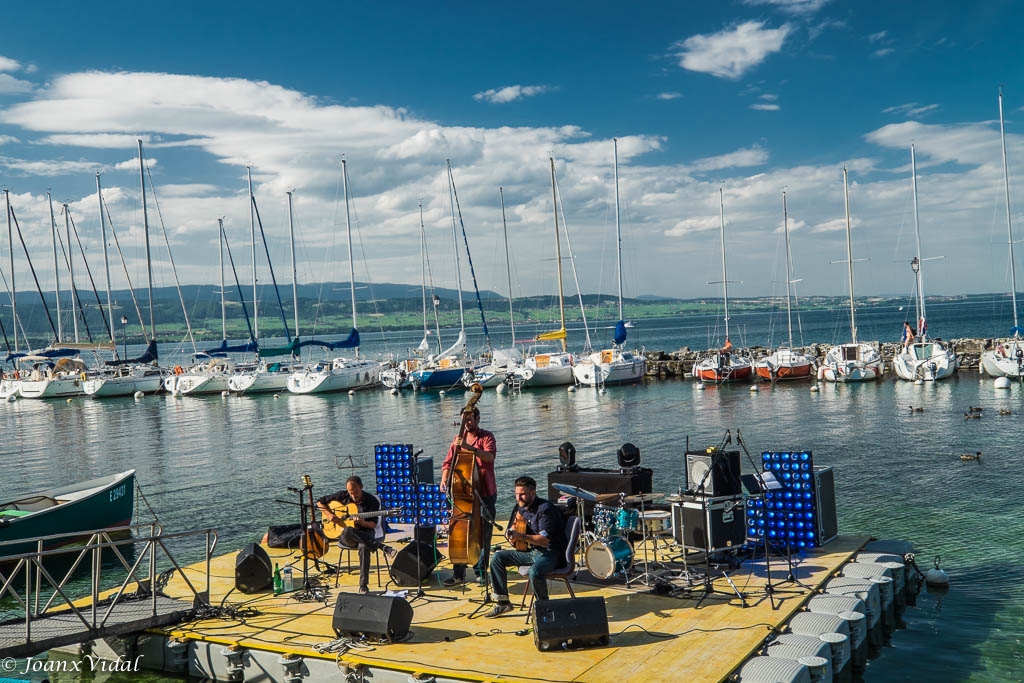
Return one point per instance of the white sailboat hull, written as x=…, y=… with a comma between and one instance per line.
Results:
x=927, y=361
x=51, y=387
x=610, y=367
x=852, y=363
x=1004, y=361
x=342, y=375
x=148, y=381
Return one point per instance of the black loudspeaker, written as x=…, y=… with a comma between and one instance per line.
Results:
x=409, y=570
x=718, y=470
x=379, y=617
x=825, y=496
x=253, y=571
x=569, y=623
x=710, y=524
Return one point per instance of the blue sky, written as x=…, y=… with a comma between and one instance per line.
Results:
x=752, y=96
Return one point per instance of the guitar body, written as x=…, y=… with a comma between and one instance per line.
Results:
x=520, y=526
x=348, y=513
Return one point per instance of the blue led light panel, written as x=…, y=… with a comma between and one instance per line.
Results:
x=790, y=514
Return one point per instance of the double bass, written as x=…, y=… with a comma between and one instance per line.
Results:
x=465, y=528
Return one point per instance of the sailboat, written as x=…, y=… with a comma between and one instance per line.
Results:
x=785, y=363
x=614, y=365
x=856, y=361
x=549, y=369
x=723, y=365
x=338, y=374
x=1007, y=360
x=923, y=359
x=445, y=370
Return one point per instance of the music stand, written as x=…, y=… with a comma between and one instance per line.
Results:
x=768, y=482
x=420, y=593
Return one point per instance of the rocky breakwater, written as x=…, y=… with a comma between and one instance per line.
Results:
x=679, y=364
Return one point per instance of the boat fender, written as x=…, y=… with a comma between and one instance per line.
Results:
x=935, y=577
x=178, y=370
x=82, y=375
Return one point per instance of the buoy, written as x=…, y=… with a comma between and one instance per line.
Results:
x=754, y=389
x=225, y=393
x=394, y=391
x=601, y=390
x=351, y=392
x=700, y=386
x=69, y=400
x=138, y=394
x=936, y=578
x=815, y=387
x=571, y=389
x=441, y=393
x=918, y=381
x=501, y=388
x=1002, y=383
x=275, y=396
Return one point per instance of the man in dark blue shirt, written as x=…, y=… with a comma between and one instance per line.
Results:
x=535, y=525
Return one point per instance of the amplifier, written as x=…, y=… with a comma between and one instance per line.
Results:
x=825, y=497
x=630, y=481
x=709, y=524
x=712, y=472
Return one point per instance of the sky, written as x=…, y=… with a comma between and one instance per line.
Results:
x=717, y=108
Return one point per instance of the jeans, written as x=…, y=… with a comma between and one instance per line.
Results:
x=365, y=541
x=459, y=570
x=541, y=562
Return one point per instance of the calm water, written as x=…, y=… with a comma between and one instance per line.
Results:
x=222, y=462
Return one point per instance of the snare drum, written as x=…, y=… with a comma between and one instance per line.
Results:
x=609, y=556
x=658, y=521
x=604, y=520
x=627, y=520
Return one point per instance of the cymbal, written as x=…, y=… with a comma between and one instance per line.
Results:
x=572, y=490
x=643, y=497
x=607, y=497
x=674, y=498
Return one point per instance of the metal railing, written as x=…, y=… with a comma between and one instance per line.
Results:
x=37, y=600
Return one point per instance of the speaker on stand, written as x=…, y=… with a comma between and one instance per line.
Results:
x=253, y=571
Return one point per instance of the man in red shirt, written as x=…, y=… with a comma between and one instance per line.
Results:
x=485, y=447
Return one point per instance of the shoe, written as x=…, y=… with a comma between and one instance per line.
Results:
x=453, y=581
x=388, y=551
x=363, y=590
x=480, y=581
x=499, y=609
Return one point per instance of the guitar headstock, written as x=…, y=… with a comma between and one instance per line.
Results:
x=306, y=481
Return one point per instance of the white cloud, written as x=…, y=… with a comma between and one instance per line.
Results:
x=910, y=109
x=511, y=93
x=800, y=7
x=741, y=158
x=669, y=95
x=9, y=85
x=732, y=52
x=5, y=139
x=47, y=167
x=8, y=64
x=882, y=52
x=765, y=107
x=133, y=164
x=875, y=37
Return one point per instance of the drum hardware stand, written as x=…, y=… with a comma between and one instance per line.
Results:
x=771, y=588
x=646, y=577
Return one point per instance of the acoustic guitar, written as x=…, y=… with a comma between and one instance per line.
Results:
x=519, y=525
x=313, y=544
x=348, y=514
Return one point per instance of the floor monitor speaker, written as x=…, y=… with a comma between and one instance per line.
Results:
x=253, y=572
x=713, y=472
x=379, y=617
x=409, y=568
x=570, y=623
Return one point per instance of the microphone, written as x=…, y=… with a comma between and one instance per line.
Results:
x=418, y=453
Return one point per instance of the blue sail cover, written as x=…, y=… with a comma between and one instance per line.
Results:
x=48, y=353
x=149, y=356
x=1016, y=331
x=350, y=343
x=249, y=347
x=620, y=332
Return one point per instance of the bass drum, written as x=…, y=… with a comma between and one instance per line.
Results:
x=607, y=557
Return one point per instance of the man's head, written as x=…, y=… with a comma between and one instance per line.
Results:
x=354, y=486
x=473, y=420
x=526, y=491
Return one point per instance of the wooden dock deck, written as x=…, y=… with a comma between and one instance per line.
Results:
x=654, y=637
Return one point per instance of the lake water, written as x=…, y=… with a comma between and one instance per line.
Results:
x=222, y=463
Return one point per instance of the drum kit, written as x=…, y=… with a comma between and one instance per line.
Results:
x=605, y=550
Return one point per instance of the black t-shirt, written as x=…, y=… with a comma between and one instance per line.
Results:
x=543, y=518
x=368, y=504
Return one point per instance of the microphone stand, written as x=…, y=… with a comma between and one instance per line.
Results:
x=420, y=593
x=770, y=588
x=486, y=600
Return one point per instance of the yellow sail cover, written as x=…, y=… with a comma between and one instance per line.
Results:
x=551, y=336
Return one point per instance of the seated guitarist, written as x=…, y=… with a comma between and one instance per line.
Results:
x=537, y=526
x=361, y=535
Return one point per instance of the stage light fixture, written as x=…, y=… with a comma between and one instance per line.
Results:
x=628, y=455
x=791, y=505
x=567, y=454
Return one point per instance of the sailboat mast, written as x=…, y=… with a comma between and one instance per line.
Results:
x=789, y=269
x=106, y=261
x=424, y=274
x=849, y=255
x=56, y=267
x=295, y=278
x=252, y=233
x=508, y=269
x=558, y=253
x=1009, y=227
x=917, y=239
x=725, y=274
x=145, y=231
x=455, y=245
x=223, y=304
x=10, y=244
x=348, y=228
x=71, y=274
x=618, y=233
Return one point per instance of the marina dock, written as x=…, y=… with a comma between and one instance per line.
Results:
x=677, y=632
